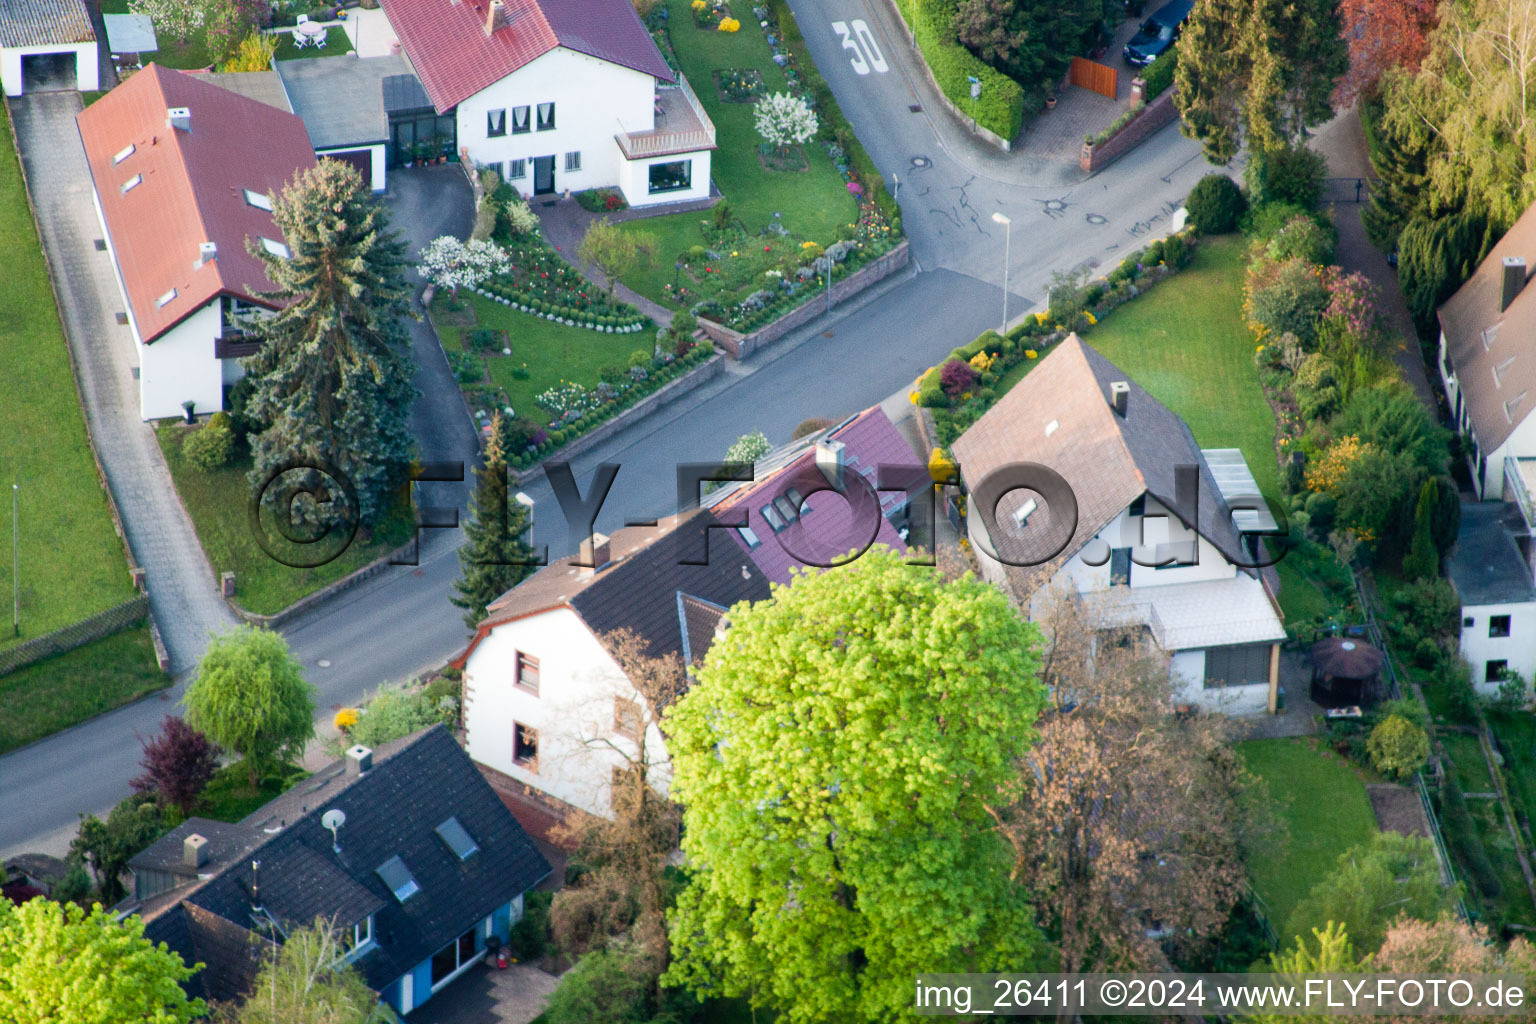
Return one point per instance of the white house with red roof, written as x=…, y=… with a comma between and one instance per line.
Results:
x=184, y=172
x=556, y=95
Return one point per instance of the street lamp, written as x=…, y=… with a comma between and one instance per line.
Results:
x=1002, y=218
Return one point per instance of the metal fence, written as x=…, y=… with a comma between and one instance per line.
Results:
x=1346, y=190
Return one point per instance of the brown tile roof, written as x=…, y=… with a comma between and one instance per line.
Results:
x=1493, y=354
x=455, y=58
x=191, y=188
x=44, y=22
x=1108, y=461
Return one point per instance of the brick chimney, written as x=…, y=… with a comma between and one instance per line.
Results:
x=596, y=552
x=1514, y=281
x=495, y=17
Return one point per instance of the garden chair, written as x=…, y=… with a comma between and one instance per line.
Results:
x=320, y=40
x=299, y=41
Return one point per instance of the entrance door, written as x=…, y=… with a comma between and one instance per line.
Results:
x=543, y=175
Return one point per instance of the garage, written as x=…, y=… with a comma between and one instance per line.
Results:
x=47, y=45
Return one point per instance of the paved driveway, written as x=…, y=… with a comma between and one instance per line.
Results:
x=485, y=995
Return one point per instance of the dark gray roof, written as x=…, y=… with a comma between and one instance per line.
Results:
x=226, y=843
x=261, y=86
x=697, y=620
x=342, y=99
x=1485, y=565
x=404, y=92
x=392, y=810
x=44, y=22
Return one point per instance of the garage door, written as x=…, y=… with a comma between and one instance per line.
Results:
x=362, y=159
x=49, y=72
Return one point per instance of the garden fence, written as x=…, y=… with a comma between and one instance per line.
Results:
x=98, y=627
x=1346, y=190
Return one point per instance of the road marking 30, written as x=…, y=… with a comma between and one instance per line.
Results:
x=859, y=41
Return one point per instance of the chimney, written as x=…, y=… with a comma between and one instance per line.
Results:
x=831, y=458
x=495, y=18
x=595, y=552
x=359, y=760
x=722, y=627
x=205, y=251
x=179, y=118
x=194, y=851
x=1514, y=280
x=1119, y=397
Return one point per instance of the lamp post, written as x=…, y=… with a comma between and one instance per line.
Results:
x=1001, y=218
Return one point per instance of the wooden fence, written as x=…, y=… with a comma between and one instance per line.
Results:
x=98, y=627
x=1096, y=77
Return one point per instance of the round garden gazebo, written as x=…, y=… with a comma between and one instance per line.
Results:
x=1345, y=672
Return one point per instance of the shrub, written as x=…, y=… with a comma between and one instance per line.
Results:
x=529, y=938
x=1293, y=174
x=394, y=711
x=1215, y=203
x=639, y=357
x=810, y=426
x=1398, y=748
x=932, y=396
x=611, y=374
x=210, y=447
x=608, y=985
x=957, y=377
x=1159, y=75
x=467, y=367
x=1263, y=220
x=1286, y=296
x=1305, y=239
x=1000, y=109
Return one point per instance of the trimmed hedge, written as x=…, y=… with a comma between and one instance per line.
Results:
x=1001, y=107
x=1159, y=74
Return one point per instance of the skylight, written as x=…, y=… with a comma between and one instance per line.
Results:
x=1501, y=369
x=165, y=299
x=1021, y=517
x=132, y=183
x=258, y=200
x=796, y=500
x=398, y=877
x=748, y=535
x=123, y=154
x=458, y=840
x=276, y=248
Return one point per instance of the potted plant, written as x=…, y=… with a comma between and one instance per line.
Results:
x=1050, y=101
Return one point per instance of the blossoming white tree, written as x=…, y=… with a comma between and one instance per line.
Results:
x=784, y=120
x=452, y=264
x=178, y=17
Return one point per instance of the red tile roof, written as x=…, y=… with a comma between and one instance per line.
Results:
x=453, y=56
x=191, y=188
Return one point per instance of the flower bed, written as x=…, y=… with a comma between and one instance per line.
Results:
x=545, y=285
x=739, y=85
x=570, y=316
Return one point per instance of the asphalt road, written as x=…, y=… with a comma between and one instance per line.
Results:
x=400, y=623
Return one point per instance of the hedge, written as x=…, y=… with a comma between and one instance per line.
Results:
x=1159, y=74
x=1463, y=834
x=1001, y=107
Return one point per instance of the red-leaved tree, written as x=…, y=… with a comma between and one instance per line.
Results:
x=1382, y=35
x=177, y=764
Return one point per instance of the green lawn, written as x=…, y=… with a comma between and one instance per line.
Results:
x=1322, y=802
x=192, y=52
x=1471, y=767
x=811, y=203
x=337, y=44
x=71, y=561
x=229, y=795
x=552, y=352
x=1314, y=586
x=50, y=695
x=1185, y=342
x=218, y=503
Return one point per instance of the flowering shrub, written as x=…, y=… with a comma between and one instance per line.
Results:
x=450, y=263
x=729, y=25
x=1328, y=472
x=1285, y=296
x=345, y=719
x=521, y=218
x=566, y=398
x=784, y=120
x=1352, y=304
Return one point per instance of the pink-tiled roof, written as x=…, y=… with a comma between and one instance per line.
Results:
x=828, y=526
x=454, y=56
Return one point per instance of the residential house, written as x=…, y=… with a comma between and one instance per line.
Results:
x=546, y=703
x=47, y=44
x=789, y=526
x=1487, y=361
x=1498, y=600
x=184, y=173
x=406, y=848
x=1148, y=544
x=557, y=95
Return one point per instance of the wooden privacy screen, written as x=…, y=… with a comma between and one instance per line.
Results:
x=1101, y=78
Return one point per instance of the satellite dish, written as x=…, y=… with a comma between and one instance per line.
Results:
x=333, y=820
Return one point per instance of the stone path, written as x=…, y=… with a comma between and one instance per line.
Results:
x=182, y=594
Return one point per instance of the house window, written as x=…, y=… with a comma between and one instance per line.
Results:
x=520, y=120
x=495, y=123
x=1498, y=625
x=399, y=878
x=1238, y=665
x=260, y=200
x=1120, y=567
x=671, y=177
x=457, y=839
x=573, y=161
x=1494, y=671
x=1139, y=506
x=360, y=935
x=1024, y=511
x=525, y=746
x=527, y=677
x=448, y=960
x=627, y=718
x=517, y=169
x=546, y=116
x=748, y=535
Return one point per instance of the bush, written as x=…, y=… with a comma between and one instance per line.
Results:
x=1293, y=174
x=1159, y=75
x=1463, y=835
x=1001, y=107
x=1286, y=296
x=467, y=367
x=1305, y=239
x=210, y=447
x=529, y=938
x=1398, y=748
x=957, y=377
x=1215, y=203
x=394, y=711
x=608, y=985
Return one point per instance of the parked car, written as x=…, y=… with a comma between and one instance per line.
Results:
x=1157, y=33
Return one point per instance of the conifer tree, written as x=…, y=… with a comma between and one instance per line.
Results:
x=332, y=381
x=1399, y=158
x=496, y=557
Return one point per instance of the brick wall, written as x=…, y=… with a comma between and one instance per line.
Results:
x=1152, y=117
x=98, y=627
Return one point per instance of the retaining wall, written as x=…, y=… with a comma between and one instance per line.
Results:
x=1152, y=117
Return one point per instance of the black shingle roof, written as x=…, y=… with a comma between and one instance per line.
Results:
x=391, y=810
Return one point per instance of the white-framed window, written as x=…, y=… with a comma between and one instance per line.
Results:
x=520, y=122
x=398, y=877
x=276, y=248
x=517, y=168
x=132, y=183
x=495, y=123
x=673, y=176
x=356, y=940
x=573, y=161
x=260, y=200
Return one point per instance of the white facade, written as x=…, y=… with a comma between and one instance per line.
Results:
x=573, y=712
x=593, y=100
x=1487, y=468
x=87, y=70
x=1484, y=649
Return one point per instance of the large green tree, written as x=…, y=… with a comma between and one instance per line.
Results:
x=250, y=696
x=333, y=376
x=304, y=981
x=836, y=760
x=107, y=846
x=1031, y=41
x=59, y=963
x=1258, y=71
x=495, y=557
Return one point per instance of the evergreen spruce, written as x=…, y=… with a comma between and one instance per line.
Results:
x=495, y=558
x=332, y=381
x=1423, y=559
x=1399, y=157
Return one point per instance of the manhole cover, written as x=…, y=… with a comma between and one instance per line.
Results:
x=324, y=663
x=1094, y=218
x=921, y=161
x=916, y=108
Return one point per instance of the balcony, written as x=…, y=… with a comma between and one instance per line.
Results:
x=681, y=126
x=234, y=344
x=1519, y=483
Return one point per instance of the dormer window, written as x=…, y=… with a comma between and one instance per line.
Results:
x=276, y=248
x=260, y=200
x=1021, y=517
x=356, y=940
x=165, y=300
x=399, y=879
x=132, y=183
x=123, y=154
x=457, y=839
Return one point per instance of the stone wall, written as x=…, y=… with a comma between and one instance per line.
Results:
x=1152, y=117
x=742, y=345
x=77, y=634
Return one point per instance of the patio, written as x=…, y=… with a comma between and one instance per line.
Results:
x=486, y=995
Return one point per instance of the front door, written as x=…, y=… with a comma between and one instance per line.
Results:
x=543, y=175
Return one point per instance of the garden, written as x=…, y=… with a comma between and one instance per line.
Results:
x=802, y=198
x=46, y=696
x=227, y=34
